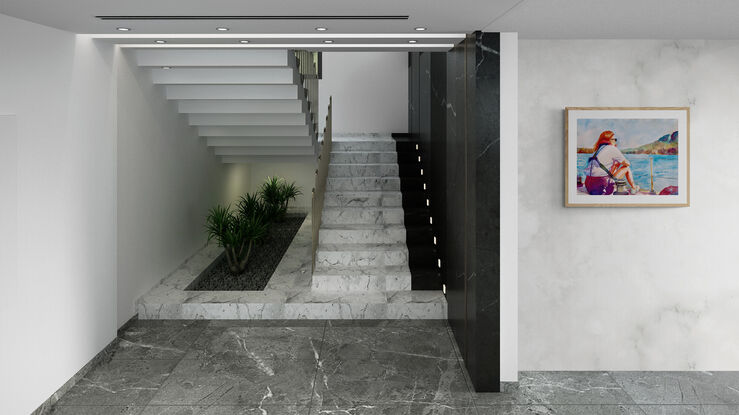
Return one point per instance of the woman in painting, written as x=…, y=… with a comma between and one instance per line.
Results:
x=606, y=165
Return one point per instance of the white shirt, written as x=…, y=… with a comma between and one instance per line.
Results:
x=607, y=156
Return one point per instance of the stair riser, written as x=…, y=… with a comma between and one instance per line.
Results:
x=361, y=258
x=369, y=216
x=361, y=283
x=362, y=170
x=363, y=146
x=364, y=236
x=357, y=199
x=334, y=184
x=363, y=158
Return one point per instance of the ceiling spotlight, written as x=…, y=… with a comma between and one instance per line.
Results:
x=243, y=41
x=222, y=29
x=321, y=29
x=161, y=42
x=123, y=29
x=412, y=41
x=166, y=67
x=328, y=41
x=420, y=29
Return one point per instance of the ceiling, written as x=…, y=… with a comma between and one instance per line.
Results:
x=657, y=19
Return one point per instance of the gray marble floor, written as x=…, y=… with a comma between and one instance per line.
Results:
x=264, y=367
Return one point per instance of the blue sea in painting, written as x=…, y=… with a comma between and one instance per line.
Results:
x=665, y=169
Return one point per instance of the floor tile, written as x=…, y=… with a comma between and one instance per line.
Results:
x=97, y=410
x=399, y=409
x=680, y=387
x=120, y=382
x=593, y=388
x=157, y=339
x=391, y=366
x=671, y=409
x=719, y=409
x=225, y=410
x=246, y=366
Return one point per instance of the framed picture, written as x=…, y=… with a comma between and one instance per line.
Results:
x=623, y=156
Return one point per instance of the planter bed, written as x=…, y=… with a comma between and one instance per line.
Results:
x=265, y=257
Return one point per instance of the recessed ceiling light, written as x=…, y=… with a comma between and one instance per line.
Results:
x=243, y=41
x=420, y=29
x=328, y=41
x=160, y=41
x=222, y=29
x=321, y=29
x=166, y=67
x=412, y=41
x=123, y=29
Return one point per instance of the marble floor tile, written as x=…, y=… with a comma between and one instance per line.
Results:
x=96, y=410
x=388, y=366
x=225, y=410
x=680, y=387
x=296, y=344
x=157, y=339
x=594, y=388
x=398, y=409
x=671, y=409
x=120, y=382
x=243, y=380
x=559, y=410
x=719, y=409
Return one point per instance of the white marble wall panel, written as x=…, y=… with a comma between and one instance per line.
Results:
x=625, y=288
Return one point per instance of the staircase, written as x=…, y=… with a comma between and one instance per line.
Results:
x=249, y=105
x=362, y=236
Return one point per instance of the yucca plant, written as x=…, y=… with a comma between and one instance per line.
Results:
x=236, y=232
x=277, y=194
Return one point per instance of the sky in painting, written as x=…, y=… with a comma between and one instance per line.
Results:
x=630, y=132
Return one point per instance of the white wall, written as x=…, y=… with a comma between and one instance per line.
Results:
x=369, y=89
x=167, y=180
x=629, y=288
x=58, y=300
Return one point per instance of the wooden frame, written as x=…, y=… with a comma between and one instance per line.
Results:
x=576, y=193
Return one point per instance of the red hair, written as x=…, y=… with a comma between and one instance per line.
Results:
x=605, y=138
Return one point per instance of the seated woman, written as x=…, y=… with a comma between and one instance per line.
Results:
x=606, y=165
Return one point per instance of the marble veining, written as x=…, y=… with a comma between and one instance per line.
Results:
x=287, y=295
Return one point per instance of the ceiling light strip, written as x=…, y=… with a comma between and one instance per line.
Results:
x=289, y=46
x=257, y=17
x=278, y=36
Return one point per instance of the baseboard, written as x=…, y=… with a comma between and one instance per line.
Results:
x=103, y=356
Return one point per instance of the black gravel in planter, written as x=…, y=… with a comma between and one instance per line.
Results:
x=264, y=258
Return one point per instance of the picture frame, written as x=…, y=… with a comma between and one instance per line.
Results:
x=627, y=156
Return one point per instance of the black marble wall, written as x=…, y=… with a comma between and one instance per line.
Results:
x=462, y=123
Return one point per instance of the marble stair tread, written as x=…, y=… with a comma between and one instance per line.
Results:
x=363, y=170
x=367, y=198
x=362, y=247
x=363, y=215
x=338, y=184
x=363, y=157
x=353, y=271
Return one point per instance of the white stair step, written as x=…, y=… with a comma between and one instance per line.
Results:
x=267, y=159
x=362, y=157
x=366, y=199
x=247, y=119
x=363, y=170
x=253, y=75
x=253, y=130
x=362, y=215
x=256, y=91
x=339, y=279
x=303, y=141
x=244, y=106
x=265, y=151
x=211, y=57
x=334, y=184
x=361, y=255
x=384, y=145
x=361, y=234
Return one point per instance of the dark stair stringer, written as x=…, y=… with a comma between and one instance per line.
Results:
x=423, y=254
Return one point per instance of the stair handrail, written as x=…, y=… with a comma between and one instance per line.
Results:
x=319, y=190
x=307, y=63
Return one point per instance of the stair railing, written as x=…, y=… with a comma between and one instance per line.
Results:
x=319, y=190
x=308, y=68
